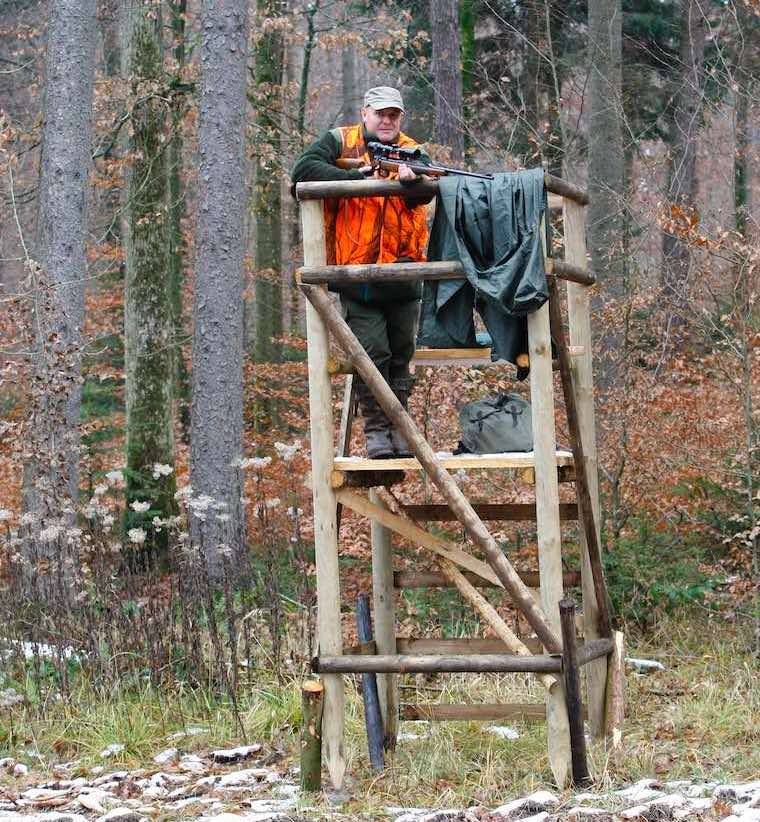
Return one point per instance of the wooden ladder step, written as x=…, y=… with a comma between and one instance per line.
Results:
x=486, y=712
x=451, y=462
x=515, y=512
x=437, y=663
x=433, y=579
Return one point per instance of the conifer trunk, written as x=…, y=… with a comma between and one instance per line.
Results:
x=217, y=411
x=148, y=316
x=268, y=197
x=682, y=190
x=447, y=76
x=606, y=163
x=52, y=474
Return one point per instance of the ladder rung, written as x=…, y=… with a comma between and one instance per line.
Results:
x=474, y=713
x=436, y=663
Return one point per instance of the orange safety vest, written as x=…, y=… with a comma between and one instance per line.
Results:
x=372, y=229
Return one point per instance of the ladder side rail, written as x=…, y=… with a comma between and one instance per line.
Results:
x=579, y=329
x=325, y=521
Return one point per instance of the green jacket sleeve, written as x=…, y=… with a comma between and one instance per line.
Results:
x=318, y=162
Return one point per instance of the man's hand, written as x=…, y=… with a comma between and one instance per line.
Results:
x=405, y=174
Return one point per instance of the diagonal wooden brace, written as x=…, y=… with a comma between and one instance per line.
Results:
x=459, y=504
x=407, y=529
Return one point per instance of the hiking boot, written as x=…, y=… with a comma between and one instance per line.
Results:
x=402, y=388
x=377, y=427
x=380, y=445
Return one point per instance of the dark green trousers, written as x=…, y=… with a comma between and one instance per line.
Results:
x=387, y=330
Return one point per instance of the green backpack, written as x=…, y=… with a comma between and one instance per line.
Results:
x=496, y=424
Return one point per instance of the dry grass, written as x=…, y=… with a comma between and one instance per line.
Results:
x=697, y=719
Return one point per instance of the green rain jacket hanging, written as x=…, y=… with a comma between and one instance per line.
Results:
x=493, y=227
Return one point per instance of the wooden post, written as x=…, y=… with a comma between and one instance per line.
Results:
x=344, y=432
x=373, y=720
x=312, y=701
x=615, y=697
x=445, y=483
x=547, y=521
x=573, y=695
x=325, y=531
x=579, y=327
x=384, y=607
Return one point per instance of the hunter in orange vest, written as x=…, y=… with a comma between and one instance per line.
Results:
x=374, y=230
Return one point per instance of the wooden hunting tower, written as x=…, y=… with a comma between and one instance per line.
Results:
x=556, y=654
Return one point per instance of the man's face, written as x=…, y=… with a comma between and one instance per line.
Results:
x=385, y=123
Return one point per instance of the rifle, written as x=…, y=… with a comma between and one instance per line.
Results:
x=387, y=157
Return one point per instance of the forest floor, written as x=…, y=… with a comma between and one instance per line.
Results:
x=695, y=719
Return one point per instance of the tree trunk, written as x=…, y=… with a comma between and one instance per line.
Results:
x=53, y=454
x=217, y=411
x=447, y=76
x=176, y=209
x=352, y=94
x=148, y=316
x=606, y=163
x=267, y=197
x=682, y=190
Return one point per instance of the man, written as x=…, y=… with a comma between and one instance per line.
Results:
x=374, y=230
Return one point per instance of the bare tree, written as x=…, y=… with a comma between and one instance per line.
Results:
x=606, y=163
x=447, y=76
x=148, y=315
x=52, y=458
x=682, y=190
x=217, y=411
x=268, y=189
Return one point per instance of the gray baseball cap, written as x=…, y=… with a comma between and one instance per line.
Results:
x=381, y=97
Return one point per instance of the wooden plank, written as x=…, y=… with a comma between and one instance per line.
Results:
x=438, y=664
x=325, y=530
x=445, y=645
x=451, y=462
x=408, y=529
x=384, y=607
x=438, y=475
x=579, y=328
x=500, y=511
x=547, y=523
x=529, y=712
x=459, y=645
x=431, y=579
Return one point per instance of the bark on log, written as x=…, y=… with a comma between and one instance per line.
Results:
x=385, y=188
x=571, y=672
x=312, y=701
x=407, y=664
x=439, y=476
